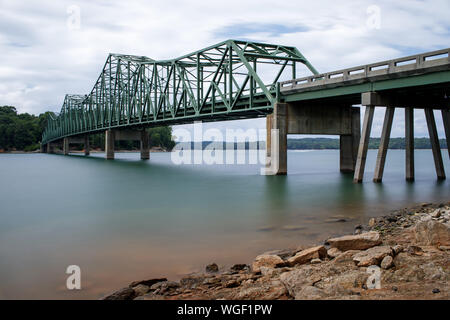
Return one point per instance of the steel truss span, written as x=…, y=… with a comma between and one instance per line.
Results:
x=230, y=80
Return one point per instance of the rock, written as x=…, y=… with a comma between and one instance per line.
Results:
x=191, y=281
x=239, y=267
x=310, y=293
x=148, y=283
x=293, y=228
x=333, y=220
x=212, y=268
x=266, y=260
x=141, y=289
x=372, y=222
x=345, y=257
x=232, y=284
x=166, y=286
x=356, y=242
x=295, y=280
x=271, y=290
x=436, y=213
x=436, y=290
x=432, y=233
x=283, y=253
x=415, y=250
x=333, y=252
x=444, y=248
x=122, y=294
x=372, y=256
x=387, y=262
x=266, y=271
x=397, y=249
x=316, y=261
x=307, y=255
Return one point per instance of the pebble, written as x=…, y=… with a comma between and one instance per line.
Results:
x=212, y=268
x=436, y=290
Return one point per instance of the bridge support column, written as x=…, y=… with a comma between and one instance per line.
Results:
x=109, y=144
x=50, y=148
x=87, y=146
x=409, y=143
x=269, y=120
x=446, y=121
x=349, y=144
x=145, y=150
x=364, y=144
x=431, y=123
x=384, y=144
x=66, y=146
x=279, y=123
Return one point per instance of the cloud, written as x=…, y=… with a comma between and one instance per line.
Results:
x=43, y=58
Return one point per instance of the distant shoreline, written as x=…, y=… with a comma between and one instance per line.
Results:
x=162, y=151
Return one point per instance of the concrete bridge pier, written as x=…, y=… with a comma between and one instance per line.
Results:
x=297, y=118
x=78, y=140
x=409, y=143
x=87, y=146
x=49, y=148
x=126, y=135
x=372, y=99
x=435, y=147
x=446, y=121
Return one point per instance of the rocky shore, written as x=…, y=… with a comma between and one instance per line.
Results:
x=403, y=255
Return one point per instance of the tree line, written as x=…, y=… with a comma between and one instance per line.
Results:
x=374, y=143
x=23, y=132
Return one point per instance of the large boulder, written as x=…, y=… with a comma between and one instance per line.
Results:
x=307, y=255
x=372, y=256
x=431, y=233
x=267, y=260
x=122, y=294
x=356, y=242
x=148, y=282
x=297, y=279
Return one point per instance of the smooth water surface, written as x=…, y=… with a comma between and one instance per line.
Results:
x=127, y=219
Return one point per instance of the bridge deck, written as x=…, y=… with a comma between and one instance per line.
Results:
x=422, y=70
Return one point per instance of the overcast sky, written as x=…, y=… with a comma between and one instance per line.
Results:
x=46, y=51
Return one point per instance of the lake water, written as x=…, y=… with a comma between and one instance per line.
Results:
x=127, y=219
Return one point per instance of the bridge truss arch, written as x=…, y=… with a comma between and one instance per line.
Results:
x=230, y=80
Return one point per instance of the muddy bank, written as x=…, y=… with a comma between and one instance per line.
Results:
x=402, y=255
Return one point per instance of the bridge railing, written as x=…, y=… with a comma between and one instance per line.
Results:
x=410, y=63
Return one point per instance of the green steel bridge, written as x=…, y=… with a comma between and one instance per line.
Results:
x=221, y=82
x=239, y=79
